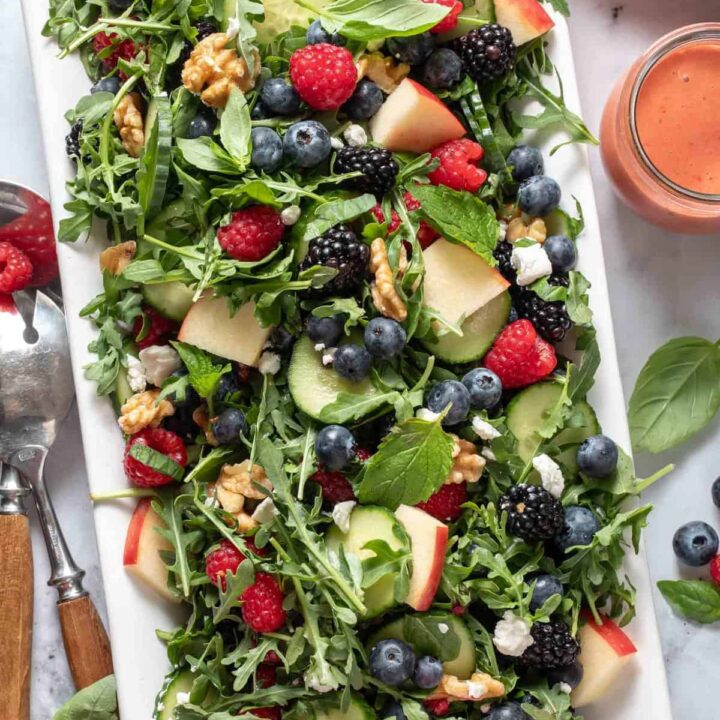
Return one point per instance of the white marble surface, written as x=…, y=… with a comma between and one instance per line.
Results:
x=662, y=285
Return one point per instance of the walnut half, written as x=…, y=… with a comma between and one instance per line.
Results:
x=236, y=488
x=467, y=466
x=480, y=686
x=385, y=297
x=117, y=257
x=143, y=410
x=129, y=120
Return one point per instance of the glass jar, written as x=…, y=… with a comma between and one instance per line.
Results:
x=636, y=177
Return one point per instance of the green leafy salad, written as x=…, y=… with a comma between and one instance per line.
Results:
x=350, y=353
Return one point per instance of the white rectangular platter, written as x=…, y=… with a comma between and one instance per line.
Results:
x=134, y=613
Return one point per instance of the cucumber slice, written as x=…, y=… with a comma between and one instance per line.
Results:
x=167, y=700
x=152, y=176
x=122, y=389
x=280, y=16
x=313, y=386
x=371, y=522
x=529, y=409
x=558, y=222
x=172, y=299
x=462, y=665
x=331, y=710
x=479, y=332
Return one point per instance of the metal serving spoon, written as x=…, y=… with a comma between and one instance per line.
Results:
x=36, y=392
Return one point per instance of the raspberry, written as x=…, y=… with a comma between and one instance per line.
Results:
x=450, y=21
x=335, y=486
x=362, y=454
x=272, y=658
x=253, y=233
x=7, y=304
x=271, y=713
x=123, y=50
x=226, y=559
x=458, y=167
x=324, y=75
x=445, y=504
x=32, y=233
x=439, y=707
x=458, y=609
x=164, y=442
x=426, y=235
x=262, y=608
x=159, y=329
x=519, y=356
x=15, y=269
x=266, y=675
x=715, y=569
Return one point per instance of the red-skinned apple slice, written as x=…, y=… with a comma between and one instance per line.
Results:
x=526, y=19
x=412, y=119
x=143, y=544
x=604, y=651
x=428, y=540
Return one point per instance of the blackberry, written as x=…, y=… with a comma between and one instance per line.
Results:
x=486, y=52
x=377, y=166
x=503, y=252
x=72, y=140
x=205, y=28
x=174, y=71
x=533, y=513
x=338, y=248
x=549, y=317
x=560, y=279
x=554, y=646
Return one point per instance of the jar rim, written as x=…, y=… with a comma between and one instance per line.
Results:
x=665, y=45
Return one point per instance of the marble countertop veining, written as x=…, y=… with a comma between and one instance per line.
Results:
x=662, y=285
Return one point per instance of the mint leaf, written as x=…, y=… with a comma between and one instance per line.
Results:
x=676, y=394
x=460, y=217
x=203, y=373
x=156, y=460
x=95, y=702
x=332, y=213
x=235, y=128
x=410, y=464
x=697, y=600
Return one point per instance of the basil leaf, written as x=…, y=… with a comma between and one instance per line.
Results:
x=235, y=128
x=205, y=154
x=95, y=702
x=676, y=394
x=156, y=460
x=697, y=600
x=410, y=464
x=378, y=19
x=203, y=373
x=461, y=217
x=332, y=213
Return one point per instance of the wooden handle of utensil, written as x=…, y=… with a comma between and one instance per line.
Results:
x=16, y=616
x=86, y=643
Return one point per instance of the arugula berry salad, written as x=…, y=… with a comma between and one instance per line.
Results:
x=350, y=353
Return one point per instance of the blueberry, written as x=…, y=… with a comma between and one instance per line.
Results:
x=392, y=710
x=227, y=385
x=716, y=492
x=307, y=143
x=260, y=112
x=385, y=338
x=507, y=711
x=353, y=362
x=317, y=34
x=413, y=50
x=228, y=426
x=561, y=251
x=443, y=69
x=364, y=102
x=579, y=528
x=267, y=149
x=570, y=675
x=597, y=456
x=453, y=393
x=428, y=672
x=392, y=662
x=181, y=423
x=202, y=124
x=513, y=316
x=334, y=447
x=325, y=330
x=539, y=195
x=526, y=162
x=281, y=340
x=109, y=84
x=485, y=388
x=545, y=587
x=695, y=543
x=119, y=6
x=280, y=97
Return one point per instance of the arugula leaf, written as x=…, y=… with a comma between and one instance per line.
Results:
x=95, y=702
x=428, y=639
x=384, y=561
x=235, y=128
x=583, y=376
x=554, y=704
x=349, y=406
x=411, y=463
x=697, y=600
x=578, y=302
x=461, y=217
x=676, y=394
x=203, y=373
x=329, y=214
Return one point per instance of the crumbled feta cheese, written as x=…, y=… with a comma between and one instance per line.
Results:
x=290, y=215
x=550, y=474
x=426, y=414
x=563, y=687
x=233, y=27
x=341, y=514
x=136, y=374
x=313, y=683
x=484, y=429
x=336, y=143
x=160, y=706
x=183, y=698
x=488, y=454
x=265, y=511
x=159, y=362
x=502, y=230
x=444, y=628
x=319, y=347
x=209, y=501
x=269, y=363
x=476, y=689
x=531, y=263
x=328, y=356
x=512, y=635
x=355, y=135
